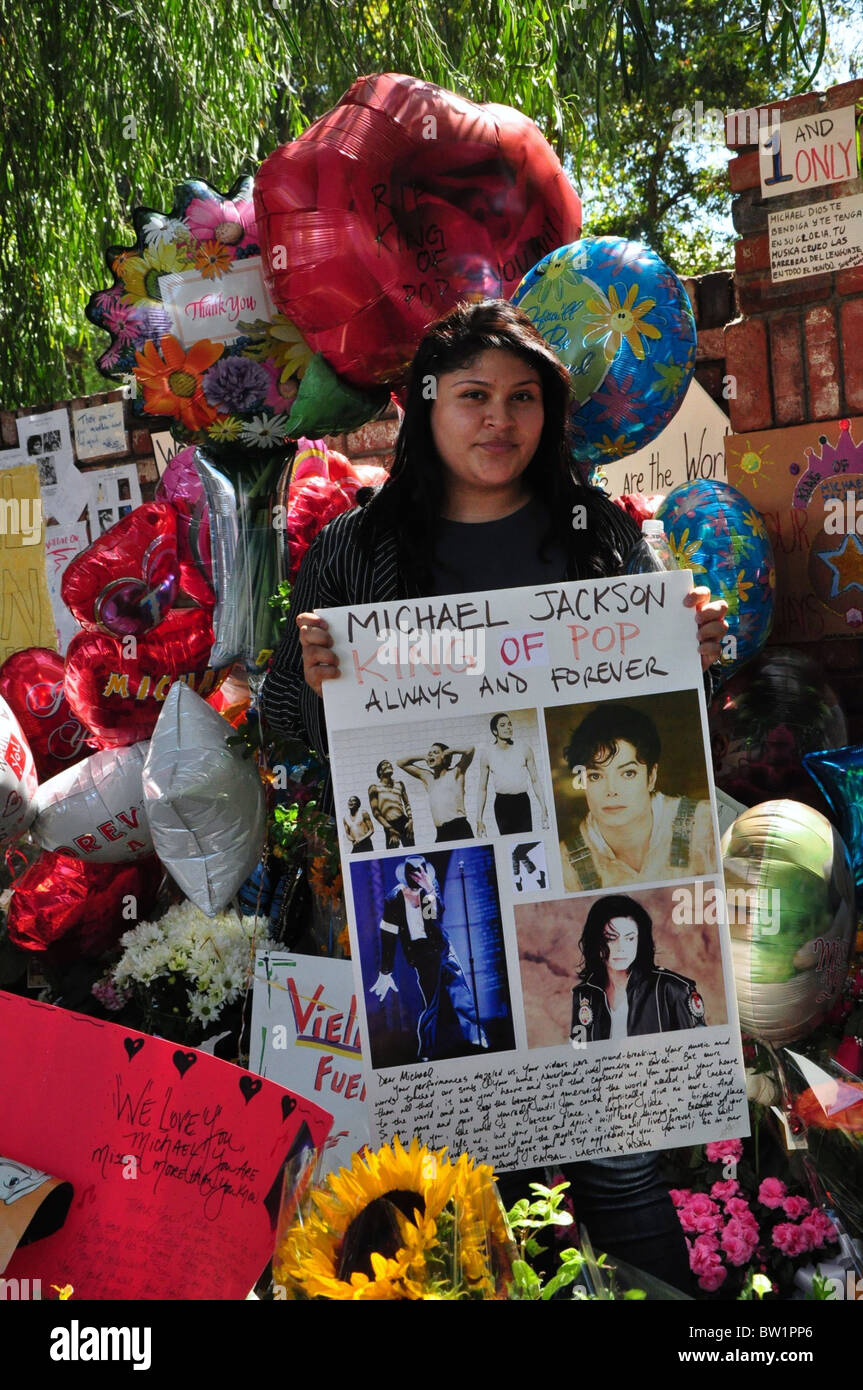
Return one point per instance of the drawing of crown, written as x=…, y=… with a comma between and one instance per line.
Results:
x=846, y=457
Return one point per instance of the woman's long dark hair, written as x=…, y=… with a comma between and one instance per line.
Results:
x=594, y=946
x=410, y=502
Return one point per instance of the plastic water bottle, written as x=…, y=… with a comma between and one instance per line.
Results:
x=651, y=553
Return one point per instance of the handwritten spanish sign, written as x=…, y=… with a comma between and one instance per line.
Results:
x=528, y=845
x=306, y=1035
x=200, y=309
x=99, y=430
x=808, y=152
x=175, y=1158
x=815, y=238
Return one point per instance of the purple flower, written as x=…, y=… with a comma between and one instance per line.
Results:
x=236, y=384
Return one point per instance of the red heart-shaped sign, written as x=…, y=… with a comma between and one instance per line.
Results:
x=128, y=579
x=117, y=686
x=395, y=205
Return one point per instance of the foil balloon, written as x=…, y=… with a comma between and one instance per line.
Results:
x=221, y=502
x=127, y=580
x=395, y=205
x=715, y=532
x=621, y=322
x=96, y=809
x=205, y=803
x=763, y=722
x=120, y=696
x=839, y=774
x=31, y=683
x=181, y=486
x=790, y=897
x=190, y=315
x=17, y=777
x=65, y=908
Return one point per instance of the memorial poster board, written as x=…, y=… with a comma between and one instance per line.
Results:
x=522, y=783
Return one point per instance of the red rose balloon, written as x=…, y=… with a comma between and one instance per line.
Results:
x=395, y=205
x=31, y=683
x=128, y=579
x=119, y=697
x=67, y=908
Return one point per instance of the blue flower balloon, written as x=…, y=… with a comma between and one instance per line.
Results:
x=839, y=774
x=621, y=322
x=715, y=532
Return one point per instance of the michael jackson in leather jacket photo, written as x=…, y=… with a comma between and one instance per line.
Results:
x=622, y=993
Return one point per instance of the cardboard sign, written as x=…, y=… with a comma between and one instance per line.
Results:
x=62, y=544
x=816, y=238
x=174, y=1157
x=26, y=616
x=690, y=447
x=807, y=483
x=306, y=1035
x=808, y=152
x=472, y=850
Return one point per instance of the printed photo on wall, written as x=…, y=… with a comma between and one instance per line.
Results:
x=529, y=866
x=457, y=779
x=630, y=791
x=619, y=965
x=432, y=956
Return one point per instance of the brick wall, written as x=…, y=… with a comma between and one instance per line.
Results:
x=796, y=347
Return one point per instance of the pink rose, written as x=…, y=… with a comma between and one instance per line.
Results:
x=796, y=1206
x=702, y=1259
x=819, y=1229
x=707, y=1241
x=721, y=1191
x=739, y=1242
x=712, y=1279
x=790, y=1239
x=737, y=1206
x=771, y=1192
x=724, y=1149
x=679, y=1195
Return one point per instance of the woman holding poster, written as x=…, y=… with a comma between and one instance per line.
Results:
x=482, y=496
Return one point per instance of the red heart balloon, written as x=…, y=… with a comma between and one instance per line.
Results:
x=119, y=696
x=395, y=205
x=66, y=907
x=128, y=579
x=31, y=683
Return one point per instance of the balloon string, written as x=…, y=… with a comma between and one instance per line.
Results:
x=11, y=853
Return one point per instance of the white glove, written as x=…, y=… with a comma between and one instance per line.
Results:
x=382, y=986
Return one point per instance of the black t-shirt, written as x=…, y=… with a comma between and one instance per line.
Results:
x=502, y=554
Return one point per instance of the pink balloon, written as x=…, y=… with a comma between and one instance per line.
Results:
x=181, y=485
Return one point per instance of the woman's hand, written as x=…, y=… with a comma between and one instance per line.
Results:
x=712, y=627
x=320, y=662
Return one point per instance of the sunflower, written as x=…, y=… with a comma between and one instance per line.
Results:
x=400, y=1224
x=616, y=321
x=140, y=274
x=278, y=340
x=172, y=384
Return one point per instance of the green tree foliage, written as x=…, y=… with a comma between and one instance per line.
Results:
x=656, y=167
x=107, y=104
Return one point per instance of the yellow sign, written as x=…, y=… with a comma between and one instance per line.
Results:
x=26, y=618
